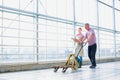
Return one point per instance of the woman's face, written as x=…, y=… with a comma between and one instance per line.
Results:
x=79, y=30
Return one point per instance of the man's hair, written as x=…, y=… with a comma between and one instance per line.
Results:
x=86, y=23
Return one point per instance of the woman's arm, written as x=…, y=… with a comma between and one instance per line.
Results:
x=83, y=39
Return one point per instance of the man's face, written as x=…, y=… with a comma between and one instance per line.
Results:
x=87, y=27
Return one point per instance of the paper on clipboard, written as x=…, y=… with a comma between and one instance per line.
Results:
x=75, y=40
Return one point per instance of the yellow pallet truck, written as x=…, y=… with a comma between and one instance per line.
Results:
x=71, y=62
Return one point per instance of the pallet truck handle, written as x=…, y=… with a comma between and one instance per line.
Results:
x=82, y=45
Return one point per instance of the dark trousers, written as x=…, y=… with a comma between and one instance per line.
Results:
x=91, y=53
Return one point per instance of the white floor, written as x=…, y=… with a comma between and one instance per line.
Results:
x=104, y=71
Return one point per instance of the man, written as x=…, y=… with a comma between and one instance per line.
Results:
x=91, y=40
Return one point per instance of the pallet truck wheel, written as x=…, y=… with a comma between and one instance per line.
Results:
x=56, y=69
x=64, y=70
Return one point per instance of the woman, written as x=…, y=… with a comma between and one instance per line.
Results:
x=78, y=40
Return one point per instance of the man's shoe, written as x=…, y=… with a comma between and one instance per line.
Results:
x=92, y=66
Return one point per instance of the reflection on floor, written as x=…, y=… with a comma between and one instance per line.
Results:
x=104, y=71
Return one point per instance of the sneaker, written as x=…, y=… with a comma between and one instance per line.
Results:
x=80, y=66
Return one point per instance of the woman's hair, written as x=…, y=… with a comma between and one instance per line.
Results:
x=80, y=28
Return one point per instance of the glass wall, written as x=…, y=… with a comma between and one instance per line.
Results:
x=117, y=45
x=106, y=44
x=117, y=4
x=17, y=38
x=41, y=30
x=105, y=16
x=55, y=40
x=117, y=19
x=57, y=8
x=86, y=11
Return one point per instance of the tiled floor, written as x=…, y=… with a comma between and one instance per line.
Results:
x=104, y=71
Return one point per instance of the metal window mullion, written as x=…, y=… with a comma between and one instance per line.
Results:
x=19, y=32
x=98, y=28
x=37, y=43
x=17, y=10
x=2, y=35
x=58, y=52
x=30, y=15
x=74, y=18
x=114, y=27
x=46, y=47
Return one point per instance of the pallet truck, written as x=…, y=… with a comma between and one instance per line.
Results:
x=72, y=62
